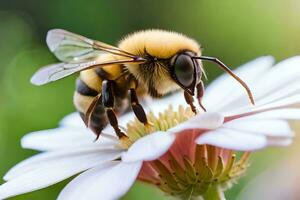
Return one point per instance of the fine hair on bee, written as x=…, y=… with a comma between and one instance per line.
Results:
x=145, y=63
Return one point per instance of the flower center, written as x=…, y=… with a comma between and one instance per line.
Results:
x=164, y=121
x=193, y=176
x=186, y=170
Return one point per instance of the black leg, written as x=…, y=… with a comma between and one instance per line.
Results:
x=138, y=109
x=200, y=93
x=108, y=101
x=190, y=100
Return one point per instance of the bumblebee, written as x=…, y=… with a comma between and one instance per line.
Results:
x=150, y=62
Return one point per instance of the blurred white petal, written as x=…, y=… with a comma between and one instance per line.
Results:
x=107, y=182
x=278, y=141
x=281, y=182
x=72, y=120
x=149, y=147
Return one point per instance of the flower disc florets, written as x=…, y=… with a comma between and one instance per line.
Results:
x=186, y=170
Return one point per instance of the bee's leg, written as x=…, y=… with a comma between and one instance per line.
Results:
x=190, y=100
x=91, y=109
x=108, y=101
x=95, y=116
x=200, y=93
x=98, y=120
x=138, y=109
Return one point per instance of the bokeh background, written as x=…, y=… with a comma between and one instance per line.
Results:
x=235, y=31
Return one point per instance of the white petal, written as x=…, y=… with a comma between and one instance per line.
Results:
x=149, y=147
x=234, y=140
x=102, y=182
x=285, y=102
x=273, y=127
x=280, y=93
x=91, y=154
x=200, y=121
x=72, y=120
x=272, y=98
x=45, y=170
x=288, y=113
x=281, y=75
x=159, y=105
x=269, y=89
x=225, y=89
x=279, y=104
x=63, y=138
x=278, y=182
x=275, y=141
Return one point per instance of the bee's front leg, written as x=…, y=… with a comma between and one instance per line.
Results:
x=108, y=101
x=138, y=109
x=200, y=93
x=190, y=100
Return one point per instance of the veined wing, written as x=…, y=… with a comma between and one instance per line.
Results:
x=57, y=71
x=72, y=48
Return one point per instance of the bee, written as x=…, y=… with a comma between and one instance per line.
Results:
x=150, y=62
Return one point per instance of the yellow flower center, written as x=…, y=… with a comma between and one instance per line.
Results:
x=164, y=121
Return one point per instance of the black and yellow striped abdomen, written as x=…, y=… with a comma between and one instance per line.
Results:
x=88, y=86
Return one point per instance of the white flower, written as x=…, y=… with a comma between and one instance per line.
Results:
x=109, y=167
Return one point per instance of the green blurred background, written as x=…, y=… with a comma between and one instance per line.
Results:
x=235, y=31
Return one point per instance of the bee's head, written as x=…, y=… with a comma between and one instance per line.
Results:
x=185, y=71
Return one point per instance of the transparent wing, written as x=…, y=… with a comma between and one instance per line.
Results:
x=57, y=71
x=71, y=48
x=77, y=53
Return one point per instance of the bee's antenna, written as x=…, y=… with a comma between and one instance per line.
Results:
x=225, y=68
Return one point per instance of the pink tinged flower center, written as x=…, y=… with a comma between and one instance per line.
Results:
x=186, y=170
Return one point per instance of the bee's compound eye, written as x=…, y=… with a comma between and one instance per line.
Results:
x=184, y=69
